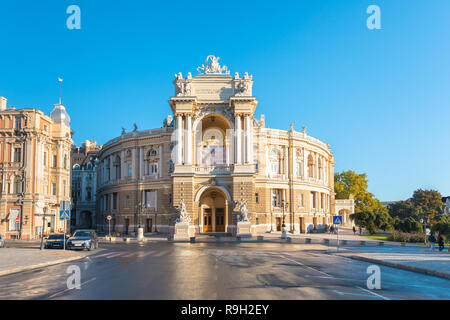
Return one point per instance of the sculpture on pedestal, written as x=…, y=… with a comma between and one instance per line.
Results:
x=183, y=216
x=244, y=215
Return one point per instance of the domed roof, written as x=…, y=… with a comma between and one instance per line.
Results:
x=59, y=115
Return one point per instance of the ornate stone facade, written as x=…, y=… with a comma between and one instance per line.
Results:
x=34, y=169
x=214, y=156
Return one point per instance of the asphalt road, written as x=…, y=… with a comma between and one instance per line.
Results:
x=218, y=271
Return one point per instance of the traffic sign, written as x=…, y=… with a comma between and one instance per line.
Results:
x=17, y=220
x=337, y=219
x=64, y=215
x=108, y=217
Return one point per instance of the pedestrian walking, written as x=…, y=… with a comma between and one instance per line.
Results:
x=432, y=241
x=354, y=230
x=331, y=229
x=441, y=242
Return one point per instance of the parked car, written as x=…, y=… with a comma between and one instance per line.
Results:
x=55, y=241
x=83, y=239
x=2, y=242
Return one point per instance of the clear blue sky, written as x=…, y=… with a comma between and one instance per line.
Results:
x=379, y=97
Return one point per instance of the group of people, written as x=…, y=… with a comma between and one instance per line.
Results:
x=332, y=229
x=433, y=241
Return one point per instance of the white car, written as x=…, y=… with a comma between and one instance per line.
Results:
x=2, y=242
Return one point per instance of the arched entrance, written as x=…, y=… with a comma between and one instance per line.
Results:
x=213, y=206
x=345, y=216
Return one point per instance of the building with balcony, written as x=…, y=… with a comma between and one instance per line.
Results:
x=34, y=170
x=84, y=184
x=212, y=153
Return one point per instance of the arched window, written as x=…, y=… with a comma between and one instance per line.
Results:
x=152, y=162
x=310, y=166
x=274, y=160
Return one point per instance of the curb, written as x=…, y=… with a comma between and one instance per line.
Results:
x=402, y=266
x=37, y=266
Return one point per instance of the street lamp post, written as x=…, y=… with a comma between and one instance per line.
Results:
x=283, y=225
x=43, y=228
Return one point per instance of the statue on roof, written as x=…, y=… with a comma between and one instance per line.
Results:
x=212, y=66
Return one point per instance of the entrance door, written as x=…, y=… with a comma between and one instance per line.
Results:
x=207, y=220
x=149, y=225
x=278, y=221
x=220, y=220
x=302, y=225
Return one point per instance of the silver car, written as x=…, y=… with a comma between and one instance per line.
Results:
x=2, y=242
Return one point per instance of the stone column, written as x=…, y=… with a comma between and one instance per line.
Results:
x=123, y=170
x=133, y=163
x=188, y=141
x=160, y=164
x=238, y=140
x=305, y=165
x=247, y=139
x=179, y=139
x=286, y=162
x=141, y=163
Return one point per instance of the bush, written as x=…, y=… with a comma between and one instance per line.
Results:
x=408, y=225
x=407, y=237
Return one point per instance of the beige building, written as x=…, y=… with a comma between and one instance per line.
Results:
x=213, y=154
x=34, y=169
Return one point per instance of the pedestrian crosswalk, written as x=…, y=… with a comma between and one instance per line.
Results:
x=191, y=253
x=134, y=254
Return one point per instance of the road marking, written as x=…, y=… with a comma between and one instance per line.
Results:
x=144, y=254
x=129, y=255
x=63, y=291
x=104, y=254
x=161, y=253
x=304, y=265
x=375, y=294
x=115, y=255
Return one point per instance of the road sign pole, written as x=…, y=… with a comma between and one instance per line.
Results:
x=337, y=230
x=109, y=229
x=64, y=243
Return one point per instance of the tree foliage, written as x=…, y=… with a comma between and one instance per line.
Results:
x=351, y=183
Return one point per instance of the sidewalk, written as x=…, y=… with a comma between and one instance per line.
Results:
x=422, y=261
x=14, y=260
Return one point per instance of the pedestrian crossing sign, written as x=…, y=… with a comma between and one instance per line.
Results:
x=337, y=219
x=64, y=215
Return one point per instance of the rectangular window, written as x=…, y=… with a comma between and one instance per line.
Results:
x=129, y=171
x=257, y=221
x=256, y=197
x=55, y=161
x=106, y=202
x=300, y=200
x=45, y=158
x=54, y=188
x=150, y=199
x=276, y=197
x=18, y=123
x=153, y=168
x=114, y=201
x=313, y=200
x=64, y=188
x=17, y=154
x=299, y=169
x=127, y=201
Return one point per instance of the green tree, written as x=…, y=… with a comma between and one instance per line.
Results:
x=372, y=221
x=351, y=183
x=404, y=209
x=429, y=202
